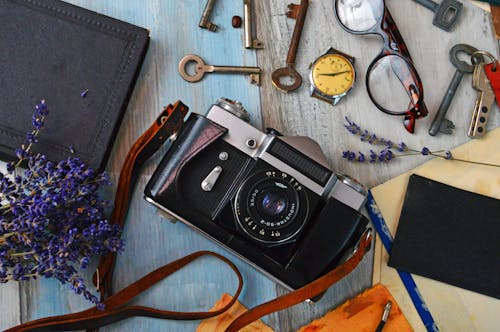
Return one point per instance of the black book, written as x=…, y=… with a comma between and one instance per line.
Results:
x=450, y=235
x=82, y=63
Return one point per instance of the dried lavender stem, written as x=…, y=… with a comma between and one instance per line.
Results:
x=475, y=162
x=22, y=253
x=35, y=133
x=6, y=235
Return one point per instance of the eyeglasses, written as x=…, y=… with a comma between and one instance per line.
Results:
x=392, y=81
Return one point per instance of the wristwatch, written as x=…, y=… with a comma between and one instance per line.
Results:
x=332, y=76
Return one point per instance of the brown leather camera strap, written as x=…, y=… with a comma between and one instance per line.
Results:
x=166, y=125
x=308, y=291
x=116, y=308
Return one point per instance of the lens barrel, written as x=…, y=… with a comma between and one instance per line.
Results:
x=271, y=206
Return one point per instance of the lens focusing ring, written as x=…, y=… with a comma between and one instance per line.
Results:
x=273, y=203
x=271, y=206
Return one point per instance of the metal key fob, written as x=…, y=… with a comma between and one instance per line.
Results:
x=484, y=102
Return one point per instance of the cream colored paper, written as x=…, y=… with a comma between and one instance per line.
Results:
x=454, y=309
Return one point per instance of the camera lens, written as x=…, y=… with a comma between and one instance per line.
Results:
x=273, y=203
x=271, y=206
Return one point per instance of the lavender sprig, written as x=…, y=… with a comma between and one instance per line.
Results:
x=52, y=219
x=386, y=154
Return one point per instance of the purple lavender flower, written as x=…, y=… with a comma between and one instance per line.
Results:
x=10, y=167
x=367, y=136
x=384, y=155
x=53, y=219
x=349, y=155
x=352, y=127
x=387, y=154
x=402, y=147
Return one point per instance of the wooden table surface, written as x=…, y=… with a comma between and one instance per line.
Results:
x=151, y=240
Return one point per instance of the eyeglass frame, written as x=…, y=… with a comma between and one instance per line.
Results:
x=393, y=44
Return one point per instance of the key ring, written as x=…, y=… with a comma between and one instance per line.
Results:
x=486, y=54
x=199, y=65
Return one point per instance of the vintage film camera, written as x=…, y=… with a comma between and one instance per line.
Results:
x=270, y=199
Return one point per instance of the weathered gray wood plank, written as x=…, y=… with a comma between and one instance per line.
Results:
x=298, y=114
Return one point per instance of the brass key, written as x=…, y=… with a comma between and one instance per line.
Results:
x=484, y=102
x=205, y=17
x=201, y=68
x=297, y=12
x=250, y=42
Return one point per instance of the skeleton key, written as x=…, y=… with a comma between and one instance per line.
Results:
x=484, y=102
x=445, y=14
x=299, y=13
x=249, y=41
x=205, y=17
x=440, y=123
x=201, y=68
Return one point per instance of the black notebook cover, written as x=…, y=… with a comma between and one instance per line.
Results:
x=54, y=51
x=450, y=235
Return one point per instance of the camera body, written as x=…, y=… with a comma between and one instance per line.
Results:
x=272, y=200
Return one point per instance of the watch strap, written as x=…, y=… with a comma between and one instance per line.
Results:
x=316, y=94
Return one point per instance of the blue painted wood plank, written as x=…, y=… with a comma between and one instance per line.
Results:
x=10, y=308
x=151, y=240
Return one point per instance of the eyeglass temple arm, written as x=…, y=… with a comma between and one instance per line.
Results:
x=414, y=89
x=395, y=40
x=412, y=84
x=409, y=80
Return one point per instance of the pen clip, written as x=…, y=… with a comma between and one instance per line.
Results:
x=387, y=311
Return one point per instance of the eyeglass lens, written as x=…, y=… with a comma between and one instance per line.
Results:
x=392, y=73
x=359, y=15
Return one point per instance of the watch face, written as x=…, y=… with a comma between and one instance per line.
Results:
x=333, y=75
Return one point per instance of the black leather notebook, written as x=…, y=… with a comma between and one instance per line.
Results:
x=450, y=235
x=55, y=51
